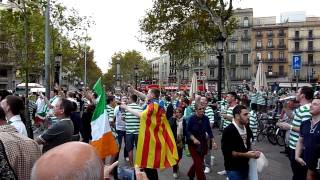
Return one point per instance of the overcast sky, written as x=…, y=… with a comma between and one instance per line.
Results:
x=117, y=24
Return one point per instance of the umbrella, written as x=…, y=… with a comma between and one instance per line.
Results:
x=261, y=79
x=194, y=85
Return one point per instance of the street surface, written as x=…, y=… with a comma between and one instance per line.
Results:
x=278, y=169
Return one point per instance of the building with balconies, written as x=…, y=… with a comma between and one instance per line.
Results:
x=269, y=42
x=304, y=40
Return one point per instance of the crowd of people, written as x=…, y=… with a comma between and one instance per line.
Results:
x=62, y=130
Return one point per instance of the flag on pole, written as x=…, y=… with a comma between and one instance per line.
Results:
x=156, y=145
x=102, y=138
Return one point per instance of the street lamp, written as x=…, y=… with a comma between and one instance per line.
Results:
x=57, y=73
x=220, y=43
x=118, y=72
x=136, y=70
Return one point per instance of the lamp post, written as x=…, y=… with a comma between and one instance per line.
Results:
x=136, y=70
x=118, y=72
x=220, y=43
x=57, y=73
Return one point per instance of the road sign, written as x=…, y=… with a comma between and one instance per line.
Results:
x=296, y=62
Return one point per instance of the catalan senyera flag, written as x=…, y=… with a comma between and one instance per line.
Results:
x=156, y=145
x=102, y=138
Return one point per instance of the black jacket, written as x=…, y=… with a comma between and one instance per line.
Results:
x=232, y=141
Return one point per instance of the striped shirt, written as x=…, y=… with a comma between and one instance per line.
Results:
x=132, y=121
x=110, y=112
x=253, y=123
x=253, y=97
x=209, y=112
x=229, y=113
x=261, y=98
x=301, y=114
x=193, y=104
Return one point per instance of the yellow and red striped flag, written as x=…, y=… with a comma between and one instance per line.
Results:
x=156, y=145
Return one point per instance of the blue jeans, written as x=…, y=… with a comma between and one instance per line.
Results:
x=237, y=175
x=122, y=135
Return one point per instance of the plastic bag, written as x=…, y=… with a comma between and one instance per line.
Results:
x=262, y=162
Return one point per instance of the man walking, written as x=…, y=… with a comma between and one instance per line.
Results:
x=236, y=145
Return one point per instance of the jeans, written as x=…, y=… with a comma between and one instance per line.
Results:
x=122, y=135
x=237, y=175
x=299, y=172
x=207, y=159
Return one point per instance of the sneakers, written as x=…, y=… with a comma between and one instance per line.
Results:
x=207, y=170
x=127, y=159
x=175, y=175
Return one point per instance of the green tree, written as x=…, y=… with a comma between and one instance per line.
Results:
x=179, y=27
x=127, y=60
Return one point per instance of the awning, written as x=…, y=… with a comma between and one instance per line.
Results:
x=293, y=84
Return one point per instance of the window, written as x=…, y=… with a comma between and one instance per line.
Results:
x=245, y=33
x=296, y=34
x=211, y=72
x=259, y=33
x=281, y=55
x=245, y=45
x=245, y=22
x=281, y=42
x=246, y=73
x=3, y=73
x=270, y=55
x=269, y=68
x=310, y=45
x=310, y=59
x=258, y=56
x=245, y=59
x=233, y=59
x=270, y=33
x=211, y=57
x=310, y=34
x=233, y=46
x=281, y=32
x=259, y=43
x=281, y=70
x=270, y=43
x=296, y=46
x=233, y=73
x=196, y=61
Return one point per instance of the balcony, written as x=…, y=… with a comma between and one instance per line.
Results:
x=281, y=46
x=297, y=50
x=233, y=50
x=282, y=60
x=296, y=38
x=310, y=37
x=276, y=74
x=233, y=38
x=212, y=64
x=245, y=38
x=281, y=34
x=259, y=35
x=245, y=64
x=310, y=49
x=270, y=47
x=271, y=61
x=259, y=48
x=248, y=50
x=270, y=34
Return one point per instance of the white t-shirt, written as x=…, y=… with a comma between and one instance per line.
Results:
x=242, y=132
x=40, y=103
x=18, y=124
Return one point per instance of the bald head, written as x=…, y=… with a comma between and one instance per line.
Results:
x=72, y=161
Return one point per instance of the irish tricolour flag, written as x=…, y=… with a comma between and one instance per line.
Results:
x=102, y=138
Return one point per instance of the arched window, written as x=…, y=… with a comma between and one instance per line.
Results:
x=246, y=22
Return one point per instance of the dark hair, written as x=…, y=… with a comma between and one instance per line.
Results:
x=234, y=94
x=168, y=98
x=2, y=115
x=134, y=97
x=56, y=91
x=110, y=99
x=238, y=109
x=15, y=103
x=308, y=92
x=254, y=106
x=156, y=93
x=178, y=109
x=186, y=100
x=67, y=106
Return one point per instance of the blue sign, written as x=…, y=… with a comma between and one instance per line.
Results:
x=296, y=62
